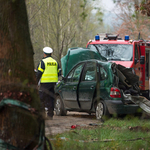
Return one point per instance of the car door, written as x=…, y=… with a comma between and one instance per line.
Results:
x=87, y=85
x=69, y=90
x=104, y=83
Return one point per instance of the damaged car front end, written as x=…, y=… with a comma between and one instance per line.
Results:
x=129, y=84
x=124, y=89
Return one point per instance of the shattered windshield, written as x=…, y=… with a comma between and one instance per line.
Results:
x=118, y=52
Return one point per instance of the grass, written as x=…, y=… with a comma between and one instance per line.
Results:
x=129, y=133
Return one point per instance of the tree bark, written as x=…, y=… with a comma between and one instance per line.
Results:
x=17, y=78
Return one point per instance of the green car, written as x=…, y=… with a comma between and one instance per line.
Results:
x=96, y=86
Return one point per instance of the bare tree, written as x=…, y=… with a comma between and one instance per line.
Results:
x=61, y=25
x=143, y=6
x=18, y=127
x=132, y=21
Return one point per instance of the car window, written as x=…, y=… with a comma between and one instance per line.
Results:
x=69, y=77
x=89, y=73
x=103, y=73
x=74, y=75
x=77, y=72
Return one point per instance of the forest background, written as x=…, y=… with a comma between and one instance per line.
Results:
x=62, y=24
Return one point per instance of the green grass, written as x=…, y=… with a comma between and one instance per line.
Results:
x=114, y=134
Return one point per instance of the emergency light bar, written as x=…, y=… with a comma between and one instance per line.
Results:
x=97, y=37
x=112, y=37
x=126, y=38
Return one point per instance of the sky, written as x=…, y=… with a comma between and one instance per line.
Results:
x=108, y=9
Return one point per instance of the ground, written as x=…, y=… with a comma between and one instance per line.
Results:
x=60, y=124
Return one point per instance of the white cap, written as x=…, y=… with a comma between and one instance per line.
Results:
x=47, y=50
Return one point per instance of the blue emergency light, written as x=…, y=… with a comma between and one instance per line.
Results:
x=126, y=38
x=97, y=37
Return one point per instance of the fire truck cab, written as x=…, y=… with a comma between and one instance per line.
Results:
x=134, y=54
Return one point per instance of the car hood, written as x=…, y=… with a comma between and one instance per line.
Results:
x=76, y=55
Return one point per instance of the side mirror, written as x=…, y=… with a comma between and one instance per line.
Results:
x=135, y=61
x=62, y=77
x=142, y=60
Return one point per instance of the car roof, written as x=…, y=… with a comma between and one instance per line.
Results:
x=103, y=63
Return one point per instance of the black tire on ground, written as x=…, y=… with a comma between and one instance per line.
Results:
x=101, y=110
x=59, y=107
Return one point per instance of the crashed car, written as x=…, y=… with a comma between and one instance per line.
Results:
x=99, y=87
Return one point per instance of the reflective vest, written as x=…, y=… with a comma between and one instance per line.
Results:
x=50, y=74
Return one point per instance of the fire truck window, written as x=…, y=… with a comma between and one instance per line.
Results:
x=115, y=52
x=91, y=47
x=136, y=52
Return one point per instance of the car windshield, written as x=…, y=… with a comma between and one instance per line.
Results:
x=117, y=52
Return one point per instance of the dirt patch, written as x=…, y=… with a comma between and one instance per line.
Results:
x=139, y=128
x=60, y=124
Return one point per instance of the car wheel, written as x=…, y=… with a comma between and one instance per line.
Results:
x=59, y=107
x=101, y=110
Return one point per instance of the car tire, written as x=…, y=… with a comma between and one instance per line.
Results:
x=101, y=110
x=59, y=107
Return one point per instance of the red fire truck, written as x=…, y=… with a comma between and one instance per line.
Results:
x=134, y=54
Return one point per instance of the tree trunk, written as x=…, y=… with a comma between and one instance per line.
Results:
x=18, y=127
